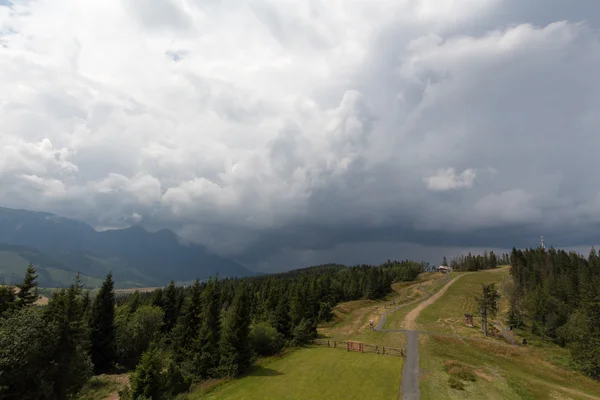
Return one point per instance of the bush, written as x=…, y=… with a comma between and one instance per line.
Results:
x=459, y=372
x=325, y=312
x=27, y=343
x=455, y=383
x=302, y=333
x=265, y=339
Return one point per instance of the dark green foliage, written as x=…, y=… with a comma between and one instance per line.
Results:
x=303, y=333
x=472, y=262
x=280, y=317
x=27, y=349
x=86, y=304
x=236, y=354
x=28, y=290
x=171, y=303
x=325, y=312
x=102, y=327
x=206, y=359
x=174, y=380
x=186, y=331
x=558, y=293
x=265, y=339
x=135, y=331
x=156, y=378
x=7, y=299
x=70, y=356
x=148, y=380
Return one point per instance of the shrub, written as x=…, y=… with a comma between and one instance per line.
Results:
x=455, y=383
x=460, y=371
x=265, y=339
x=302, y=333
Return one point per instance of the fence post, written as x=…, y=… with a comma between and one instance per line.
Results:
x=328, y=345
x=383, y=350
x=334, y=344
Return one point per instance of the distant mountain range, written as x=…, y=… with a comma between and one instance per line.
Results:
x=59, y=247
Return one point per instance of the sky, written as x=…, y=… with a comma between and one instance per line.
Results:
x=293, y=132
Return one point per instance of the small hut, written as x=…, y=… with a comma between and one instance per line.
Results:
x=469, y=320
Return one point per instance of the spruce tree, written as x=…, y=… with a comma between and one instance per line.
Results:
x=72, y=364
x=8, y=299
x=236, y=353
x=190, y=321
x=280, y=319
x=148, y=381
x=28, y=290
x=102, y=327
x=170, y=303
x=207, y=355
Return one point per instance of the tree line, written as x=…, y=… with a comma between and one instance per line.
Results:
x=477, y=262
x=556, y=295
x=175, y=336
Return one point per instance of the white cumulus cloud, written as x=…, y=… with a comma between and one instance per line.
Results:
x=253, y=129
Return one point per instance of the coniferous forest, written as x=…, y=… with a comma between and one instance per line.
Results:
x=478, y=262
x=176, y=336
x=172, y=337
x=556, y=296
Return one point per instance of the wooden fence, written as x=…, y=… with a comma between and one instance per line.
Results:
x=350, y=345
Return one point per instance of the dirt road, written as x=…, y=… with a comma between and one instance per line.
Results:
x=411, y=317
x=410, y=376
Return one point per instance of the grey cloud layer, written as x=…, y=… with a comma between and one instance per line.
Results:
x=257, y=131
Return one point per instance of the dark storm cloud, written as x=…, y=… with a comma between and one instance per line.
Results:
x=430, y=124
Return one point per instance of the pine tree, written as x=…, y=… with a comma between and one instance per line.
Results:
x=102, y=327
x=236, y=353
x=28, y=290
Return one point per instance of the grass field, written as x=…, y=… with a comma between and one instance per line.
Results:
x=428, y=282
x=315, y=373
x=500, y=371
x=447, y=314
x=326, y=373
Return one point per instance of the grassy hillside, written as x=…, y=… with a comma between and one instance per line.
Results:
x=500, y=371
